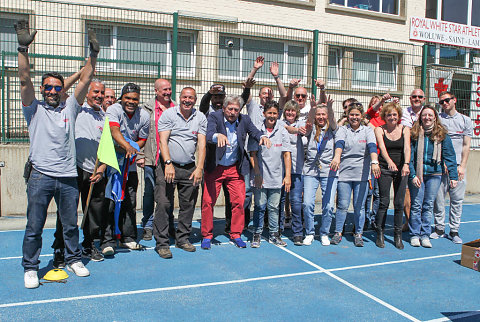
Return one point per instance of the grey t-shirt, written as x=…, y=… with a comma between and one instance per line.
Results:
x=296, y=146
x=255, y=112
x=135, y=128
x=320, y=154
x=355, y=160
x=458, y=126
x=52, y=137
x=270, y=160
x=182, y=142
x=88, y=131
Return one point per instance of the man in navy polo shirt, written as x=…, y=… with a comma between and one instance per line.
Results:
x=51, y=125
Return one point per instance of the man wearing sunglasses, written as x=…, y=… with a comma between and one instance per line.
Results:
x=410, y=116
x=460, y=130
x=51, y=125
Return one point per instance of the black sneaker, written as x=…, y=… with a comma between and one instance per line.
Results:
x=336, y=239
x=147, y=234
x=298, y=240
x=358, y=242
x=255, y=241
x=59, y=258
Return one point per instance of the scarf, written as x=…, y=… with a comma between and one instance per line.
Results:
x=437, y=151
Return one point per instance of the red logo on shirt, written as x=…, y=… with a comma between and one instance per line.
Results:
x=194, y=132
x=100, y=128
x=65, y=120
x=362, y=141
x=277, y=145
x=459, y=132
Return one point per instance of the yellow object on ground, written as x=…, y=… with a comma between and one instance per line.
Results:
x=56, y=275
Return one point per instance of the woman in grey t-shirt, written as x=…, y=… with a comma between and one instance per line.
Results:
x=355, y=149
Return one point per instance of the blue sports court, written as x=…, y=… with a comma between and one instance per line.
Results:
x=270, y=283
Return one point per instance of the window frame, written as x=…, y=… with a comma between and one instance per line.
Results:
x=377, y=84
x=112, y=66
x=13, y=61
x=284, y=75
x=339, y=66
x=380, y=5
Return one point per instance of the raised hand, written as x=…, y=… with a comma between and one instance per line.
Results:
x=274, y=69
x=249, y=82
x=320, y=83
x=294, y=82
x=313, y=101
x=330, y=102
x=259, y=62
x=94, y=44
x=24, y=37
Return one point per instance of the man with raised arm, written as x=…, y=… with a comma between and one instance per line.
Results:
x=182, y=131
x=51, y=125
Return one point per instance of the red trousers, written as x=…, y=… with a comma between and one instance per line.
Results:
x=211, y=189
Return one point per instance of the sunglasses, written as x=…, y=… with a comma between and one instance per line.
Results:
x=417, y=96
x=50, y=87
x=447, y=100
x=300, y=95
x=354, y=104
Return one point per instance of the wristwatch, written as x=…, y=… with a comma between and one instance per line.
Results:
x=374, y=162
x=169, y=161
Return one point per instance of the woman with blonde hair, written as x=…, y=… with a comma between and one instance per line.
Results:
x=432, y=149
x=393, y=140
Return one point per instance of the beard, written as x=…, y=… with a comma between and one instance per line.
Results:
x=52, y=99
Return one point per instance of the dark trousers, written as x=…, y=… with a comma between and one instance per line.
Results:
x=399, y=186
x=164, y=197
x=127, y=221
x=94, y=222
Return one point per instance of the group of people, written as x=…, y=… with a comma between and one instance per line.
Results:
x=278, y=153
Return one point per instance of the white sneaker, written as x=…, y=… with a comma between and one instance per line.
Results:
x=325, y=241
x=415, y=241
x=426, y=242
x=132, y=245
x=79, y=269
x=308, y=240
x=31, y=279
x=108, y=251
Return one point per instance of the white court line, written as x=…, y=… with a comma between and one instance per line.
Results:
x=391, y=262
x=154, y=290
x=456, y=316
x=341, y=280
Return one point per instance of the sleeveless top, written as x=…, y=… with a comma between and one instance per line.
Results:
x=394, y=150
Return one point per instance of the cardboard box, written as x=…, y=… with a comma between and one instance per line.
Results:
x=471, y=255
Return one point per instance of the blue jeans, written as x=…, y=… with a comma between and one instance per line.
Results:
x=374, y=193
x=148, y=197
x=40, y=191
x=264, y=198
x=310, y=186
x=344, y=192
x=422, y=205
x=295, y=196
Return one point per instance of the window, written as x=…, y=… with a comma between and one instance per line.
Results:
x=384, y=6
x=372, y=70
x=236, y=57
x=143, y=50
x=466, y=12
x=455, y=11
x=333, y=72
x=8, y=38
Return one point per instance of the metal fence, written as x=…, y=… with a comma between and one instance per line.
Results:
x=198, y=50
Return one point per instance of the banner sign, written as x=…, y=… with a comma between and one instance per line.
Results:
x=440, y=81
x=444, y=32
x=475, y=103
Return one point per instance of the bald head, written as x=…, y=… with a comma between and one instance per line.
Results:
x=163, y=91
x=417, y=99
x=300, y=96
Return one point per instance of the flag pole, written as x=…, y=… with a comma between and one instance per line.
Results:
x=89, y=193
